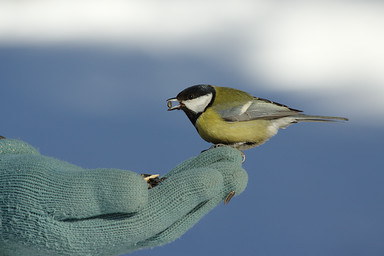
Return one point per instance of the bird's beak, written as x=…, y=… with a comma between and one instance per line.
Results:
x=169, y=104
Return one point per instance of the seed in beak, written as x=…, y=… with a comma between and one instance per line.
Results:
x=170, y=105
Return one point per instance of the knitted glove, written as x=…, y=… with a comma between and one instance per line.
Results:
x=51, y=207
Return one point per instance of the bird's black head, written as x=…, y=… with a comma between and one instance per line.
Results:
x=194, y=100
x=195, y=91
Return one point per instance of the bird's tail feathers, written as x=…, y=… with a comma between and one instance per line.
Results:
x=309, y=118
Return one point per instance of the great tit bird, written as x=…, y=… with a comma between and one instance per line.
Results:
x=223, y=115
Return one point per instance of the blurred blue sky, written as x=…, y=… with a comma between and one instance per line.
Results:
x=97, y=98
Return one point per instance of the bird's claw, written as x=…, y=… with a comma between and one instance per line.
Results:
x=242, y=157
x=229, y=197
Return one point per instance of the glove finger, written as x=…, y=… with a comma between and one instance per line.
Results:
x=101, y=191
x=226, y=160
x=180, y=226
x=66, y=191
x=12, y=146
x=209, y=157
x=233, y=179
x=182, y=192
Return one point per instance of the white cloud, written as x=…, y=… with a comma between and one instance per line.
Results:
x=328, y=42
x=307, y=47
x=333, y=50
x=119, y=21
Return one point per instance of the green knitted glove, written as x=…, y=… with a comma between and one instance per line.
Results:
x=50, y=207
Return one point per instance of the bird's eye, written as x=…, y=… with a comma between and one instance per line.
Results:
x=190, y=96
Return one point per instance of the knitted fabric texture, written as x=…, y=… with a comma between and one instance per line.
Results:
x=51, y=207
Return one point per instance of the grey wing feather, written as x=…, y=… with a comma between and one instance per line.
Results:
x=257, y=108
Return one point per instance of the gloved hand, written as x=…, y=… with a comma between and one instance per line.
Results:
x=51, y=207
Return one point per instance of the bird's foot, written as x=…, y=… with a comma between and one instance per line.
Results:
x=218, y=145
x=224, y=145
x=215, y=146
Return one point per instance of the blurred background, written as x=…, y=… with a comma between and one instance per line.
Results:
x=87, y=82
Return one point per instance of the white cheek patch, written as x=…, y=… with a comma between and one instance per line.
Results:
x=199, y=104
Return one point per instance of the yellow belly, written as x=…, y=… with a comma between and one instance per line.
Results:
x=213, y=128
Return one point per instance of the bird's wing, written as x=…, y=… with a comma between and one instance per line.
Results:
x=257, y=108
